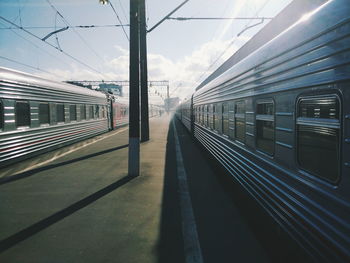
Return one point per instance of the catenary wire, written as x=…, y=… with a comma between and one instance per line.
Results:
x=126, y=35
x=29, y=66
x=229, y=45
x=52, y=27
x=36, y=46
x=217, y=18
x=65, y=53
x=68, y=24
x=123, y=10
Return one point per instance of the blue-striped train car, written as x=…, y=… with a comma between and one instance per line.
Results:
x=37, y=115
x=279, y=123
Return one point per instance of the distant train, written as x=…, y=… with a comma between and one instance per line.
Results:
x=38, y=115
x=278, y=121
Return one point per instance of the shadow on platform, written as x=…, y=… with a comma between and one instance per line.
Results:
x=25, y=174
x=170, y=247
x=230, y=223
x=48, y=221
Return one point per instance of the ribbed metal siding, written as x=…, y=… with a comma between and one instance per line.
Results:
x=45, y=94
x=313, y=223
x=17, y=145
x=300, y=57
x=308, y=54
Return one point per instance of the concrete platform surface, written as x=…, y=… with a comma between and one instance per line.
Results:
x=83, y=207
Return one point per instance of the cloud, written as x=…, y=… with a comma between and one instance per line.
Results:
x=184, y=74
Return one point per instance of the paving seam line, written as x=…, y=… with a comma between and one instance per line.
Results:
x=192, y=250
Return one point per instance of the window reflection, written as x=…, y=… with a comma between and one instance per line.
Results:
x=22, y=113
x=318, y=143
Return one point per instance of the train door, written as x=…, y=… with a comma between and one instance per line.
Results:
x=110, y=115
x=192, y=116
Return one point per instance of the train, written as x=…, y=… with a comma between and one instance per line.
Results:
x=278, y=122
x=39, y=115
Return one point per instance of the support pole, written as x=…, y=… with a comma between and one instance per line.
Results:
x=134, y=100
x=144, y=79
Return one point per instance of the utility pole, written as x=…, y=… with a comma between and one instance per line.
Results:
x=134, y=97
x=143, y=69
x=138, y=48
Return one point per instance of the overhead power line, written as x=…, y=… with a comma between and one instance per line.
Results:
x=54, y=32
x=235, y=39
x=36, y=46
x=218, y=18
x=67, y=54
x=168, y=15
x=26, y=65
x=68, y=27
x=123, y=10
x=68, y=24
x=115, y=12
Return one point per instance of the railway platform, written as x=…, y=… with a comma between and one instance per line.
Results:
x=82, y=206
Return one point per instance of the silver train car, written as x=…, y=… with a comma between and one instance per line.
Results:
x=38, y=115
x=278, y=121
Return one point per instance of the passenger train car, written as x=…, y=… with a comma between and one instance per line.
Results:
x=279, y=123
x=119, y=108
x=37, y=115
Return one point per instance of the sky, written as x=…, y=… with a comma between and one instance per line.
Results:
x=182, y=52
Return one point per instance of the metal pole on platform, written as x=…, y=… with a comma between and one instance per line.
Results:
x=143, y=69
x=134, y=96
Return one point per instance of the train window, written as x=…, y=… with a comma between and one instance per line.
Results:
x=202, y=114
x=91, y=111
x=208, y=116
x=240, y=121
x=22, y=113
x=1, y=116
x=194, y=114
x=213, y=118
x=265, y=127
x=225, y=118
x=83, y=112
x=72, y=112
x=231, y=119
x=318, y=136
x=103, y=112
x=60, y=112
x=44, y=113
x=198, y=114
x=97, y=111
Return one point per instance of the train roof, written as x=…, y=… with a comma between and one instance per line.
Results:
x=311, y=25
x=288, y=16
x=17, y=77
